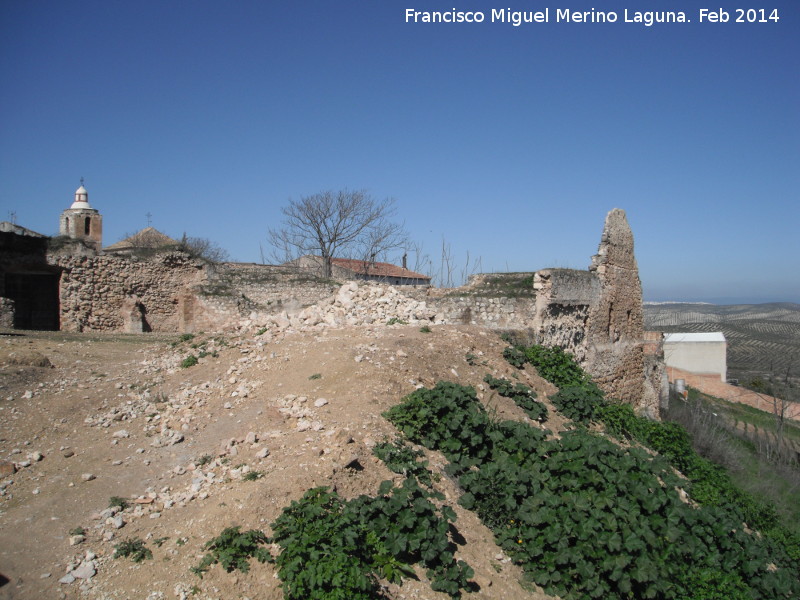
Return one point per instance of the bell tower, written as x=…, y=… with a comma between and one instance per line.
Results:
x=82, y=222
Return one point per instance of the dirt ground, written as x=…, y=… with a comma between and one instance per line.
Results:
x=84, y=418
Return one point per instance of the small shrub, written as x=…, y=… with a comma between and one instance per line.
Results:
x=333, y=549
x=253, y=475
x=556, y=366
x=189, y=361
x=521, y=394
x=402, y=459
x=261, y=331
x=204, y=460
x=396, y=321
x=515, y=356
x=187, y=337
x=116, y=501
x=578, y=402
x=77, y=531
x=233, y=549
x=425, y=329
x=315, y=376
x=133, y=548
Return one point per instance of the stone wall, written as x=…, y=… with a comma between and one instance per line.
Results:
x=491, y=312
x=615, y=325
x=272, y=288
x=106, y=293
x=596, y=315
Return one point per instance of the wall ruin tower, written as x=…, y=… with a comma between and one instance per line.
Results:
x=616, y=354
x=82, y=222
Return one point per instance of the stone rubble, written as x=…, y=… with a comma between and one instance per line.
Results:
x=354, y=305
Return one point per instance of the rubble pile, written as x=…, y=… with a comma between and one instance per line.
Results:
x=353, y=305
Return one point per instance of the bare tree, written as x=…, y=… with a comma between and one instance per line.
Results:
x=422, y=261
x=780, y=394
x=203, y=248
x=331, y=224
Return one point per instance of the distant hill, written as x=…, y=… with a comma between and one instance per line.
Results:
x=762, y=338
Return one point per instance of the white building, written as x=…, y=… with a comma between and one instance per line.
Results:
x=701, y=353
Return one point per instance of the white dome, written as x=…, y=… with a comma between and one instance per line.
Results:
x=81, y=199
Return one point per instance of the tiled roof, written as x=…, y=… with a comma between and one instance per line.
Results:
x=376, y=269
x=149, y=237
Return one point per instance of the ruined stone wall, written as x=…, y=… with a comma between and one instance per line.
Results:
x=494, y=313
x=596, y=315
x=6, y=313
x=105, y=293
x=493, y=300
x=273, y=288
x=563, y=301
x=615, y=325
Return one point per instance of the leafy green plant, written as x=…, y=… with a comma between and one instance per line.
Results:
x=118, y=502
x=473, y=360
x=578, y=402
x=332, y=549
x=515, y=356
x=521, y=394
x=315, y=376
x=204, y=460
x=586, y=518
x=136, y=549
x=448, y=417
x=425, y=329
x=552, y=363
x=253, y=475
x=261, y=331
x=404, y=460
x=396, y=321
x=189, y=361
x=77, y=531
x=160, y=541
x=233, y=549
x=323, y=550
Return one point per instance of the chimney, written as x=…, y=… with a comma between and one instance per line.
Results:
x=405, y=257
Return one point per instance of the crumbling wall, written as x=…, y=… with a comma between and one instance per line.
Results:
x=494, y=313
x=273, y=288
x=615, y=325
x=7, y=311
x=596, y=315
x=563, y=301
x=109, y=293
x=493, y=300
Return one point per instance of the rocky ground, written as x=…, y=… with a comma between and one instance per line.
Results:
x=87, y=418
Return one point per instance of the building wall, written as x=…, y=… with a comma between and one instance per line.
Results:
x=82, y=224
x=702, y=358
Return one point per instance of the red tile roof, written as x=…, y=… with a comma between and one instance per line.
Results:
x=376, y=269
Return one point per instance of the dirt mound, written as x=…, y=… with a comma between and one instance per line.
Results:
x=27, y=359
x=254, y=422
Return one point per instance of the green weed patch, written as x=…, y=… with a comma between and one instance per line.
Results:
x=587, y=518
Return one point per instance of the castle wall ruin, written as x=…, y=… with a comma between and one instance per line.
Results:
x=111, y=293
x=596, y=314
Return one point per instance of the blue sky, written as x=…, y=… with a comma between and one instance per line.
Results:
x=510, y=143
